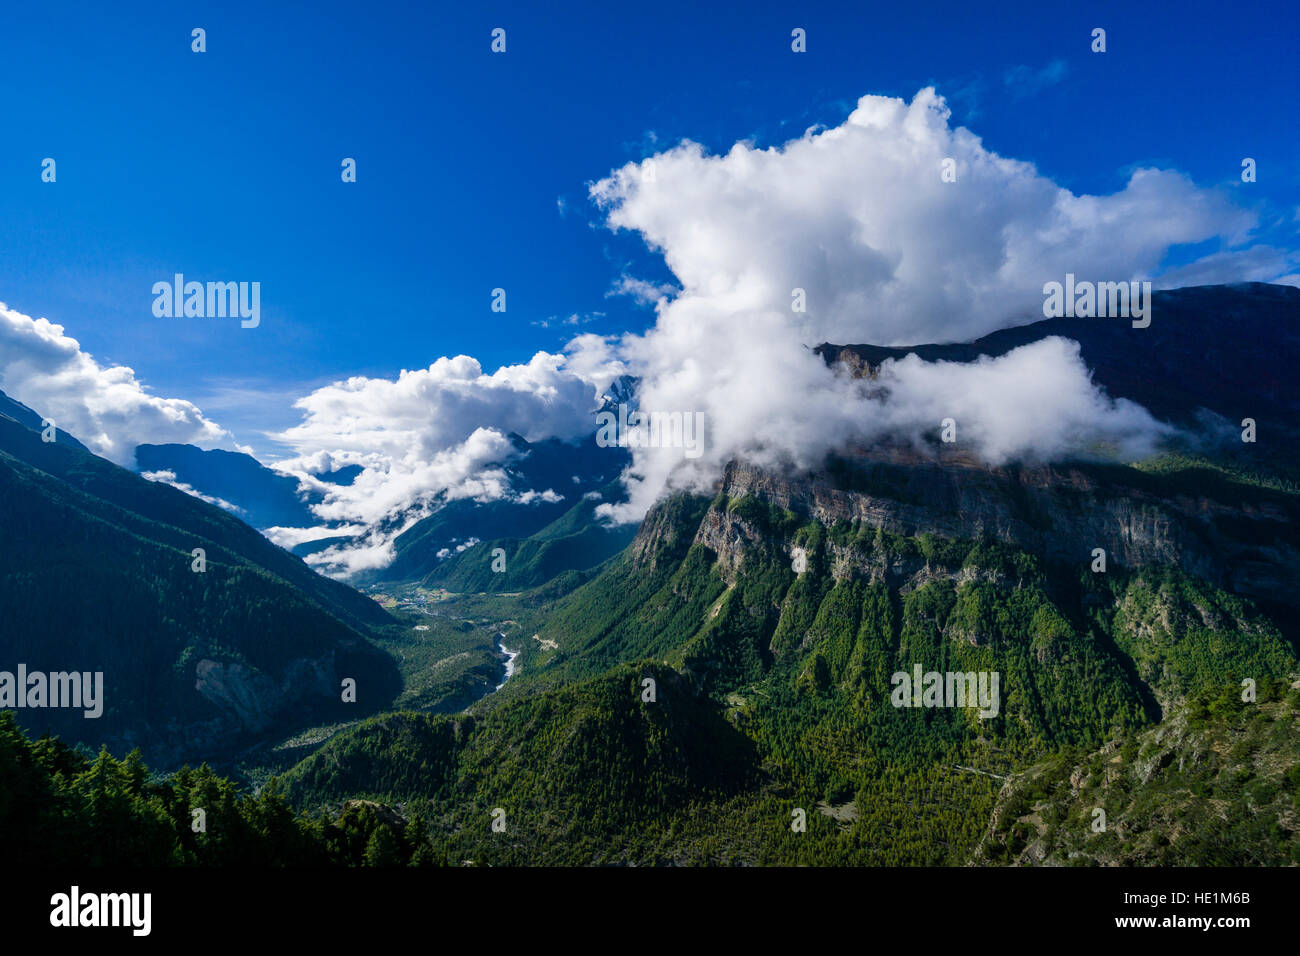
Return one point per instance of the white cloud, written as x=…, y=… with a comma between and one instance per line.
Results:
x=169, y=478
x=1256, y=264
x=549, y=496
x=859, y=217
x=644, y=292
x=463, y=546
x=425, y=438
x=431, y=436
x=106, y=407
x=290, y=538
x=1035, y=403
x=886, y=252
x=594, y=359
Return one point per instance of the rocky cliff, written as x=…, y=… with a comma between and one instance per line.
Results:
x=1237, y=537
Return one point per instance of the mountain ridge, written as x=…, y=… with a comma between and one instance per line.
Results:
x=99, y=574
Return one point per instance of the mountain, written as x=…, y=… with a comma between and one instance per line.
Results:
x=263, y=497
x=1227, y=528
x=788, y=678
x=549, y=480
x=97, y=574
x=20, y=413
x=781, y=611
x=566, y=769
x=1217, y=784
x=1229, y=350
x=734, y=686
x=559, y=473
x=65, y=808
x=576, y=541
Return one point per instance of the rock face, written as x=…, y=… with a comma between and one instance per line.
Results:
x=1236, y=534
x=253, y=697
x=238, y=688
x=1235, y=538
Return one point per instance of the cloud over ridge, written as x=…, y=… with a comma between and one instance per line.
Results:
x=434, y=435
x=859, y=219
x=106, y=407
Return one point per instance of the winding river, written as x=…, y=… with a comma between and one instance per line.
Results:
x=510, y=661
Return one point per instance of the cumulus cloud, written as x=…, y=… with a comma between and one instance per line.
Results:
x=595, y=360
x=106, y=407
x=859, y=220
x=432, y=436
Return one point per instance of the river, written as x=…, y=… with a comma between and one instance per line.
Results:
x=510, y=661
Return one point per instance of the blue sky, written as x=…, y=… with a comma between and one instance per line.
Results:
x=225, y=165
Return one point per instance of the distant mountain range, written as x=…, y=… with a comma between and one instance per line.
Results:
x=575, y=472
x=564, y=477
x=575, y=542
x=265, y=498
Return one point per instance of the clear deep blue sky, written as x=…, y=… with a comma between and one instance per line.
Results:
x=225, y=165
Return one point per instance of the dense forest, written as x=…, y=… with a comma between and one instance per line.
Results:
x=61, y=806
x=772, y=701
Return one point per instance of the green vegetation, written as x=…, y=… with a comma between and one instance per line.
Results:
x=722, y=689
x=446, y=666
x=1217, y=784
x=784, y=680
x=574, y=542
x=60, y=807
x=1271, y=475
x=685, y=700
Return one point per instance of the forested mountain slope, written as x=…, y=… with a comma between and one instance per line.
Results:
x=97, y=574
